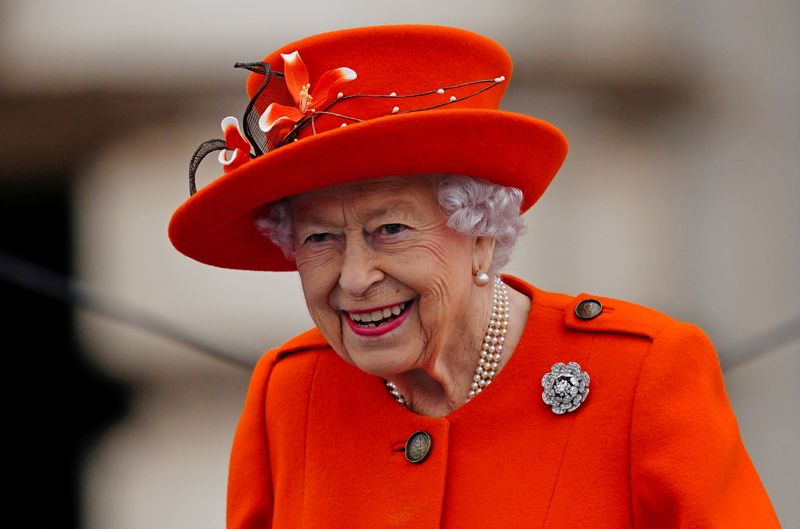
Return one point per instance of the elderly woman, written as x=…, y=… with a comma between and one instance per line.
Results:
x=434, y=392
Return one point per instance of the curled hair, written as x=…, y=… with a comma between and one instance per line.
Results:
x=472, y=207
x=477, y=207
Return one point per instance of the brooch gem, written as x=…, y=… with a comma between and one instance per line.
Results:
x=565, y=387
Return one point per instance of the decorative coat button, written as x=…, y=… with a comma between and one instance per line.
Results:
x=418, y=446
x=588, y=309
x=565, y=387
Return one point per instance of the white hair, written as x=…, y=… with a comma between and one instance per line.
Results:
x=472, y=207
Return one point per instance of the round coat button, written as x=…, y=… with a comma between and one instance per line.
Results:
x=588, y=309
x=418, y=446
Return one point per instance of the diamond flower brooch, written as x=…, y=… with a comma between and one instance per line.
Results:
x=565, y=387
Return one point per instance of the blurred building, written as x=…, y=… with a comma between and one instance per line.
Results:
x=680, y=192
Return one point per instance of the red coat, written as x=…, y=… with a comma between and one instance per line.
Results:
x=655, y=444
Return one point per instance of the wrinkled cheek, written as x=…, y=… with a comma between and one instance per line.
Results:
x=324, y=318
x=435, y=305
x=445, y=307
x=329, y=324
x=432, y=316
x=314, y=261
x=317, y=284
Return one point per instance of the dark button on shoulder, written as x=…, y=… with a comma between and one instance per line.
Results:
x=588, y=309
x=418, y=446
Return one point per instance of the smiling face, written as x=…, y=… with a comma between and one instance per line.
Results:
x=386, y=281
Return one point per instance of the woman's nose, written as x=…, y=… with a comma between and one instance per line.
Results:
x=359, y=269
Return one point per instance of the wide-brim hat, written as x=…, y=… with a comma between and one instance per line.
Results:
x=393, y=101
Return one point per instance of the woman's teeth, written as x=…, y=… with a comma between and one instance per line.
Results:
x=371, y=319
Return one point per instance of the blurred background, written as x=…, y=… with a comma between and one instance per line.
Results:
x=681, y=192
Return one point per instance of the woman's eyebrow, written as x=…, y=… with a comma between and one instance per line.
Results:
x=399, y=206
x=365, y=215
x=315, y=222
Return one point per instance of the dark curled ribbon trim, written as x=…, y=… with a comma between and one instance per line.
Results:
x=205, y=148
x=249, y=123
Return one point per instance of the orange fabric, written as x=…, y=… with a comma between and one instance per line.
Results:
x=469, y=137
x=655, y=445
x=405, y=59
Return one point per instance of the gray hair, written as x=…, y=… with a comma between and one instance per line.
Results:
x=472, y=207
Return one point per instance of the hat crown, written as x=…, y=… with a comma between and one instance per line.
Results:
x=399, y=69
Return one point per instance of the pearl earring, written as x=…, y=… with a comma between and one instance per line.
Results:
x=481, y=279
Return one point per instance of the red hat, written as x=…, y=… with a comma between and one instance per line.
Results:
x=354, y=105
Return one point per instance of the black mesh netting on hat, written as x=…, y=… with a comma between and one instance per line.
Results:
x=272, y=90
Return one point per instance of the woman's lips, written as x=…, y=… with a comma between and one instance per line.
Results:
x=381, y=329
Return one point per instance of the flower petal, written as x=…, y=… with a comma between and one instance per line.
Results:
x=233, y=135
x=223, y=157
x=296, y=74
x=276, y=113
x=237, y=158
x=327, y=83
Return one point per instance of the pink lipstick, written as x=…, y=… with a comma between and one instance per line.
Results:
x=380, y=328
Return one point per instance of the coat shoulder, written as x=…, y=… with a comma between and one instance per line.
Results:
x=587, y=312
x=292, y=367
x=593, y=313
x=308, y=341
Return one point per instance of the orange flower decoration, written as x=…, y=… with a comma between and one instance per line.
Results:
x=234, y=142
x=306, y=99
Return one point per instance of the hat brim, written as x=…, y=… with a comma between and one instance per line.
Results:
x=216, y=225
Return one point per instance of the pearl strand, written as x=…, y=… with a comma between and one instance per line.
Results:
x=491, y=346
x=493, y=340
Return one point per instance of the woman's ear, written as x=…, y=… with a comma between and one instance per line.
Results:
x=482, y=253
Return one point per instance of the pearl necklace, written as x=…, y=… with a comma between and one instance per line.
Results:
x=491, y=346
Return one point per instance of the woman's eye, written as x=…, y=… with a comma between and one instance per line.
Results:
x=392, y=229
x=318, y=237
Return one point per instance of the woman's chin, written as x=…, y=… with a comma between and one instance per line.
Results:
x=382, y=350
x=381, y=363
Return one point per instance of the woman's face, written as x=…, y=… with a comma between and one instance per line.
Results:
x=385, y=280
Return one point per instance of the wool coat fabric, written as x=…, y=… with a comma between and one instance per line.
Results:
x=320, y=444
